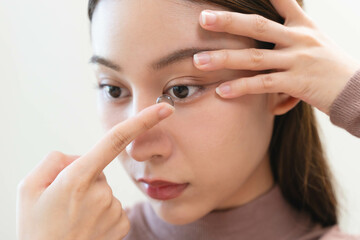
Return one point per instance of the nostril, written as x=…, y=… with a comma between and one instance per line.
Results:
x=155, y=156
x=129, y=147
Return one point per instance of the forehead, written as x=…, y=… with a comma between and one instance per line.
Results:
x=129, y=31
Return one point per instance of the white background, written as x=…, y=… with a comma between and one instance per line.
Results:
x=47, y=97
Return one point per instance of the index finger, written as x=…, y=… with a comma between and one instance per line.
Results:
x=248, y=25
x=115, y=141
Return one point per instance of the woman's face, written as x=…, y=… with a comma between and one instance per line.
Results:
x=218, y=146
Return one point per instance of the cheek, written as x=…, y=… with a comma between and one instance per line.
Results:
x=225, y=137
x=111, y=114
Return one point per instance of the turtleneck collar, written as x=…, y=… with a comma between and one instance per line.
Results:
x=269, y=216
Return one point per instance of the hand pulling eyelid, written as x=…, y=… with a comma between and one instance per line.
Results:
x=165, y=98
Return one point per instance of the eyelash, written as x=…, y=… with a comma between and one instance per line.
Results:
x=200, y=89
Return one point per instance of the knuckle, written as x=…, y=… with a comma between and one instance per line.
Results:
x=308, y=37
x=119, y=140
x=75, y=184
x=310, y=23
x=105, y=197
x=58, y=157
x=241, y=85
x=55, y=155
x=145, y=125
x=125, y=226
x=224, y=57
x=118, y=207
x=305, y=56
x=78, y=186
x=227, y=19
x=311, y=40
x=288, y=34
x=256, y=56
x=267, y=81
x=23, y=186
x=260, y=23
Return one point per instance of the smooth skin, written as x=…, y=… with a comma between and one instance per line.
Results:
x=67, y=197
x=219, y=147
x=306, y=64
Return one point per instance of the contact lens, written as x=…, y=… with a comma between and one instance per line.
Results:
x=165, y=98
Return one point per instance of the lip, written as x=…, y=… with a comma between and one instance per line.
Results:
x=162, y=190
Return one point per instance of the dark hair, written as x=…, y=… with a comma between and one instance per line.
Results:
x=297, y=158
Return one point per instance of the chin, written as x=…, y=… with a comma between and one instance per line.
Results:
x=177, y=213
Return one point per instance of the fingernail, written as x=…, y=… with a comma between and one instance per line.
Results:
x=208, y=18
x=223, y=90
x=202, y=58
x=165, y=111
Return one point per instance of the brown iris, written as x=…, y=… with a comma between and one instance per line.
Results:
x=181, y=91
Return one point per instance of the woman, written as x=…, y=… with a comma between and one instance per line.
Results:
x=239, y=158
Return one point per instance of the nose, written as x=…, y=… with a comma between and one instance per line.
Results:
x=153, y=143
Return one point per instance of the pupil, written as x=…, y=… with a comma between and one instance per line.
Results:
x=114, y=92
x=181, y=91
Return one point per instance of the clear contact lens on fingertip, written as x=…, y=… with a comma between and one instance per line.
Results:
x=165, y=98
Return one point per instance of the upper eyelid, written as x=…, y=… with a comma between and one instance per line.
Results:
x=184, y=84
x=190, y=81
x=189, y=99
x=115, y=83
x=101, y=85
x=200, y=88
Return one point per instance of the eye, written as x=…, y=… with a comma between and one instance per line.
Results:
x=180, y=92
x=114, y=92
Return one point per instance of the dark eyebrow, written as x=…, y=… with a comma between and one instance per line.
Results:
x=163, y=62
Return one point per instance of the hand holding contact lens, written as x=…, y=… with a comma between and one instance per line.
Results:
x=165, y=98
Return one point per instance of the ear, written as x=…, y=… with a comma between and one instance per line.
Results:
x=281, y=103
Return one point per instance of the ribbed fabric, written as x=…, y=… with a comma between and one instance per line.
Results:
x=269, y=216
x=345, y=110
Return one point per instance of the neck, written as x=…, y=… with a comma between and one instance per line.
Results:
x=269, y=216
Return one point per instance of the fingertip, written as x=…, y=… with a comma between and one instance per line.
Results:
x=223, y=90
x=217, y=90
x=197, y=63
x=208, y=18
x=202, y=19
x=165, y=110
x=202, y=59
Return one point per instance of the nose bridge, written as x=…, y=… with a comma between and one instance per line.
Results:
x=142, y=99
x=154, y=142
